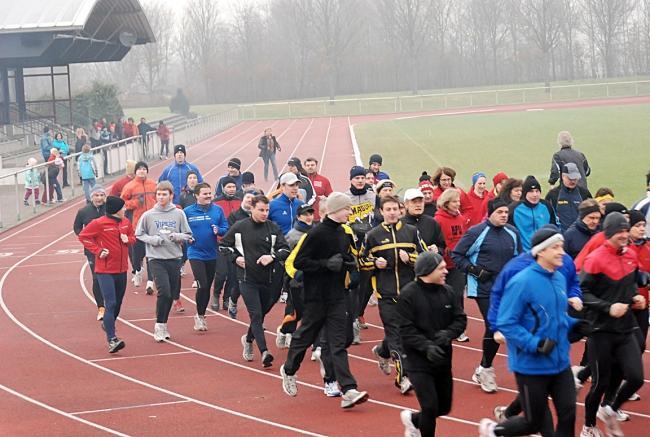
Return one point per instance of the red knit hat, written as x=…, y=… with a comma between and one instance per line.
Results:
x=425, y=185
x=499, y=177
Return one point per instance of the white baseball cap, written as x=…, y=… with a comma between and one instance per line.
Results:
x=289, y=179
x=413, y=193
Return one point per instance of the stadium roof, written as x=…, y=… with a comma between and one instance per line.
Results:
x=38, y=33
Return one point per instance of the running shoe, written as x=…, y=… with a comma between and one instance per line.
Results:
x=315, y=354
x=500, y=413
x=267, y=359
x=248, y=349
x=331, y=389
x=609, y=417
x=356, y=332
x=622, y=416
x=407, y=420
x=362, y=322
x=382, y=363
x=115, y=345
x=372, y=301
x=486, y=428
x=166, y=332
x=321, y=365
x=590, y=431
x=353, y=397
x=183, y=271
x=100, y=313
x=195, y=284
x=159, y=332
x=137, y=278
x=178, y=306
x=486, y=378
x=200, y=324
x=214, y=303
x=635, y=397
x=280, y=339
x=462, y=338
x=283, y=297
x=404, y=385
x=575, y=370
x=287, y=342
x=288, y=383
x=232, y=309
x=149, y=288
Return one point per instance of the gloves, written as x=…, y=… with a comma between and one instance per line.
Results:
x=178, y=237
x=582, y=328
x=436, y=355
x=442, y=338
x=334, y=263
x=480, y=273
x=545, y=346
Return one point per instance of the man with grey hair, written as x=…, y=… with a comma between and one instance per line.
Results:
x=565, y=155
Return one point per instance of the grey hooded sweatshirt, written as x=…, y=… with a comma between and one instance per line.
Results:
x=162, y=230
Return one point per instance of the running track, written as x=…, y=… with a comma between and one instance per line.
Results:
x=56, y=377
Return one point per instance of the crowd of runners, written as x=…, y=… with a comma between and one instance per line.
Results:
x=544, y=272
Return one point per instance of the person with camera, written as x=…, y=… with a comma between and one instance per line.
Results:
x=269, y=146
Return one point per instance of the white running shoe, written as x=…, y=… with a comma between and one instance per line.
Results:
x=195, y=284
x=622, y=416
x=356, y=332
x=166, y=332
x=609, y=417
x=248, y=349
x=500, y=413
x=382, y=363
x=575, y=370
x=288, y=383
x=404, y=385
x=287, y=342
x=149, y=288
x=267, y=359
x=486, y=378
x=409, y=428
x=137, y=278
x=200, y=324
x=182, y=272
x=321, y=365
x=159, y=332
x=280, y=339
x=463, y=338
x=590, y=431
x=486, y=428
x=353, y=397
x=635, y=397
x=315, y=354
x=332, y=390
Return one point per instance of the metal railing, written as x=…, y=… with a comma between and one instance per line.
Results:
x=110, y=160
x=441, y=101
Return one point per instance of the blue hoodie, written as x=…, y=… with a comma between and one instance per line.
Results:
x=283, y=211
x=201, y=220
x=529, y=218
x=177, y=175
x=533, y=308
x=516, y=265
x=87, y=168
x=46, y=145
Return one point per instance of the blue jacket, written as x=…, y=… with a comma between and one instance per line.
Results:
x=516, y=265
x=219, y=188
x=534, y=307
x=283, y=212
x=488, y=247
x=62, y=146
x=201, y=219
x=528, y=219
x=177, y=175
x=46, y=145
x=576, y=237
x=87, y=169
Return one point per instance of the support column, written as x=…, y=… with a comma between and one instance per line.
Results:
x=19, y=84
x=4, y=92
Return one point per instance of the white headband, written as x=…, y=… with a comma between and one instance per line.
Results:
x=546, y=243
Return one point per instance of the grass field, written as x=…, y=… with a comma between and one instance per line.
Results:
x=614, y=139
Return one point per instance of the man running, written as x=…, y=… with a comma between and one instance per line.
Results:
x=176, y=172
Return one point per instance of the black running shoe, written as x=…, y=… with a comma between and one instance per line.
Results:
x=115, y=345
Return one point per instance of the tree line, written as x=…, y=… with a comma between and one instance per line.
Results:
x=288, y=49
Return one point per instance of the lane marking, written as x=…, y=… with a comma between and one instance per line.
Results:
x=131, y=357
x=322, y=156
x=61, y=412
x=440, y=114
x=130, y=407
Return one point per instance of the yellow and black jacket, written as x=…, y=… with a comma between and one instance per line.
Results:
x=385, y=241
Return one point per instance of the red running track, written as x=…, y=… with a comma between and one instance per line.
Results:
x=56, y=376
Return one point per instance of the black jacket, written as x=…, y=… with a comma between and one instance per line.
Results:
x=565, y=203
x=430, y=315
x=430, y=209
x=312, y=252
x=564, y=156
x=86, y=215
x=576, y=237
x=430, y=231
x=237, y=215
x=385, y=241
x=256, y=239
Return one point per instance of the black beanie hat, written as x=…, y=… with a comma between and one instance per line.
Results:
x=585, y=211
x=529, y=184
x=179, y=148
x=235, y=163
x=495, y=204
x=614, y=223
x=247, y=178
x=227, y=180
x=113, y=205
x=357, y=170
x=636, y=216
x=615, y=207
x=141, y=164
x=376, y=158
x=425, y=177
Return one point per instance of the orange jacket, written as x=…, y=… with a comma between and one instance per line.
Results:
x=139, y=196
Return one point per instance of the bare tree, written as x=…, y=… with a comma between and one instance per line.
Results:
x=543, y=20
x=155, y=57
x=248, y=32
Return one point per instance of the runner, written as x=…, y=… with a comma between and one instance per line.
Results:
x=482, y=252
x=95, y=209
x=164, y=229
x=257, y=246
x=431, y=317
x=325, y=256
x=108, y=238
x=389, y=250
x=176, y=172
x=206, y=221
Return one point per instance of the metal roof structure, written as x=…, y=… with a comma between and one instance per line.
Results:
x=40, y=33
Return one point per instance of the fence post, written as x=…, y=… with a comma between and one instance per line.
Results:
x=607, y=89
x=17, y=197
x=359, y=106
x=636, y=88
x=471, y=99
x=496, y=97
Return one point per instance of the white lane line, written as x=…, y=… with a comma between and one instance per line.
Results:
x=322, y=156
x=441, y=114
x=61, y=412
x=131, y=357
x=130, y=407
x=70, y=354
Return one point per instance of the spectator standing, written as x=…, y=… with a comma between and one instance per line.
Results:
x=46, y=143
x=32, y=182
x=164, y=134
x=269, y=146
x=87, y=170
x=64, y=150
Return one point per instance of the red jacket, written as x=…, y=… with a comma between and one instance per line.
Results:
x=643, y=257
x=163, y=132
x=478, y=212
x=104, y=233
x=465, y=203
x=118, y=186
x=228, y=204
x=322, y=187
x=453, y=227
x=139, y=196
x=594, y=243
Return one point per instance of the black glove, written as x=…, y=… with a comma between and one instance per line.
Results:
x=582, y=328
x=480, y=273
x=436, y=355
x=442, y=338
x=545, y=346
x=334, y=263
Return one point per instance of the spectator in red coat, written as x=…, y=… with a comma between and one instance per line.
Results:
x=478, y=197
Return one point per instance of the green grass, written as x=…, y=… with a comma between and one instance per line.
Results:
x=614, y=139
